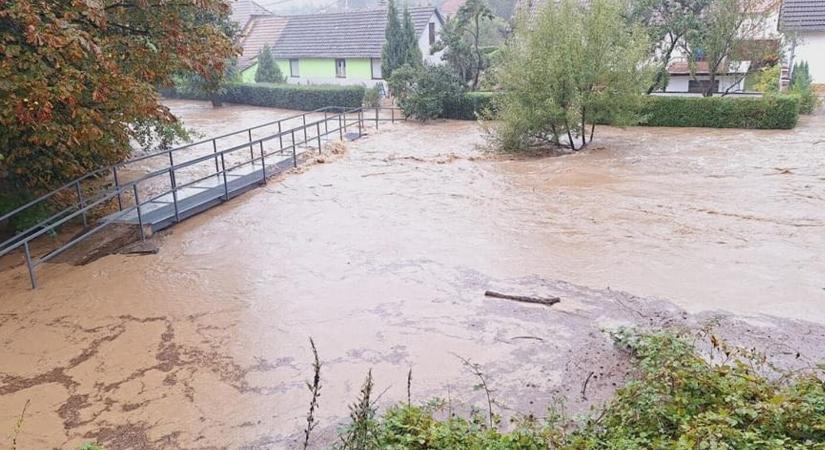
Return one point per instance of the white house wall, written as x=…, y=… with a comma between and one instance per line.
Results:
x=424, y=42
x=680, y=83
x=811, y=48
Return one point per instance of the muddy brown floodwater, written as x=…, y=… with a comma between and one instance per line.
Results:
x=383, y=257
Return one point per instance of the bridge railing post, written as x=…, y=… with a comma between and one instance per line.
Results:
x=139, y=213
x=294, y=151
x=263, y=163
x=215, y=152
x=117, y=188
x=225, y=182
x=174, y=183
x=81, y=202
x=318, y=135
x=30, y=265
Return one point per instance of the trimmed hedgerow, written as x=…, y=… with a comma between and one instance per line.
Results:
x=769, y=112
x=469, y=106
x=286, y=96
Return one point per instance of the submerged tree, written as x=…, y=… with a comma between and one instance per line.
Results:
x=79, y=78
x=268, y=70
x=573, y=67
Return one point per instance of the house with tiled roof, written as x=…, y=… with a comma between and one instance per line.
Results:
x=333, y=48
x=803, y=24
x=243, y=11
x=450, y=7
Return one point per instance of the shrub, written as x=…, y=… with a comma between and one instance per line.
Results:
x=268, y=71
x=372, y=97
x=424, y=93
x=767, y=79
x=769, y=112
x=801, y=86
x=470, y=106
x=287, y=96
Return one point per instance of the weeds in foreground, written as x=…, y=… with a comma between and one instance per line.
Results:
x=18, y=426
x=678, y=399
x=315, y=389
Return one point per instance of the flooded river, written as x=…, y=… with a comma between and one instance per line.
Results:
x=383, y=257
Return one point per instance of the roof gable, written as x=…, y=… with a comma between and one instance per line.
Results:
x=244, y=10
x=802, y=15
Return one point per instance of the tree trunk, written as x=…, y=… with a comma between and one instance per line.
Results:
x=665, y=60
x=478, y=54
x=584, y=127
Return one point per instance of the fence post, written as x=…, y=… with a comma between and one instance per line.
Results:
x=280, y=137
x=215, y=152
x=345, y=121
x=392, y=114
x=174, y=184
x=263, y=162
x=376, y=118
x=318, y=135
x=360, y=119
x=82, y=202
x=117, y=188
x=326, y=125
x=30, y=264
x=139, y=214
x=304, y=118
x=225, y=183
x=294, y=153
x=251, y=149
x=340, y=128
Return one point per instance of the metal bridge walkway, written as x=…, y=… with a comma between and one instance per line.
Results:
x=191, y=179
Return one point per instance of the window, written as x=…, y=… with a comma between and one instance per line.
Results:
x=294, y=68
x=341, y=68
x=432, y=34
x=698, y=87
x=376, y=69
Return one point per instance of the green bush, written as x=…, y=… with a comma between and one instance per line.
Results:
x=286, y=96
x=769, y=112
x=802, y=87
x=268, y=71
x=372, y=97
x=424, y=92
x=471, y=106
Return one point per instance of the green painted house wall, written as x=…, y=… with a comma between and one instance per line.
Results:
x=357, y=69
x=248, y=75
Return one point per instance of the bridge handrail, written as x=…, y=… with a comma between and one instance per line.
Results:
x=23, y=239
x=109, y=169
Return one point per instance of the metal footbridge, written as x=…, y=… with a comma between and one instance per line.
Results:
x=157, y=190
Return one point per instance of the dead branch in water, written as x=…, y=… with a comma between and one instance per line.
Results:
x=518, y=298
x=584, y=387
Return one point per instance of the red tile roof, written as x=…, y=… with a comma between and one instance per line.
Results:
x=450, y=7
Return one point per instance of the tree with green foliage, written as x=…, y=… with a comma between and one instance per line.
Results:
x=268, y=70
x=802, y=86
x=461, y=40
x=727, y=29
x=423, y=92
x=411, y=51
x=392, y=56
x=401, y=43
x=668, y=23
x=79, y=79
x=574, y=66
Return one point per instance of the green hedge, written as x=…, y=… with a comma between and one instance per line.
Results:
x=286, y=96
x=769, y=112
x=469, y=106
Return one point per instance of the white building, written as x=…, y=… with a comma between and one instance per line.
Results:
x=803, y=23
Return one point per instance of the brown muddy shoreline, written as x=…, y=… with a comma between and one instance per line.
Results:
x=383, y=258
